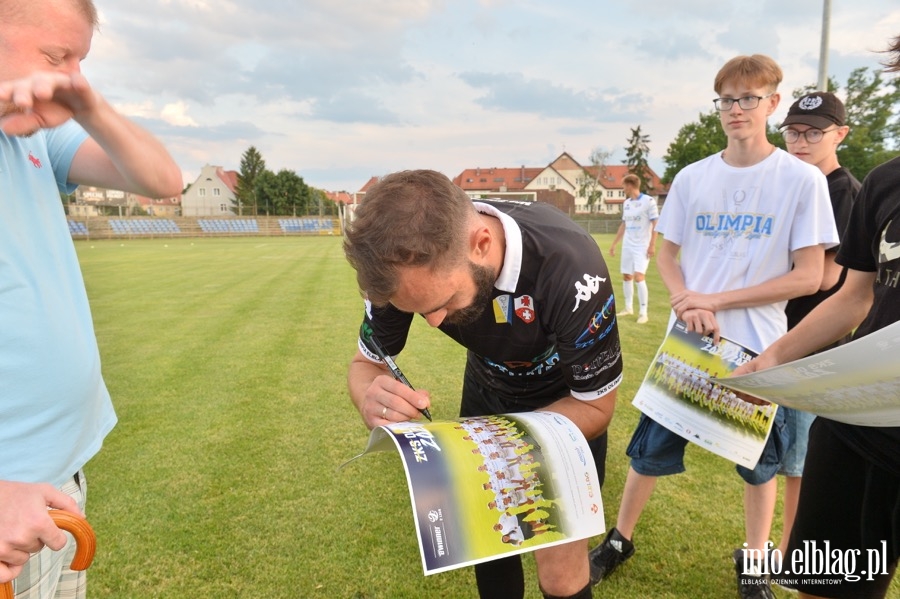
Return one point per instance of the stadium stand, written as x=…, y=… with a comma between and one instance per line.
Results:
x=104, y=227
x=77, y=228
x=305, y=225
x=134, y=226
x=240, y=226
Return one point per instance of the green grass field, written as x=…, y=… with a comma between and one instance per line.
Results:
x=226, y=360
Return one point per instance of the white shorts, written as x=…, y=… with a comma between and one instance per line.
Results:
x=634, y=260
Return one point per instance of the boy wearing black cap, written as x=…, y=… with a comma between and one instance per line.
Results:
x=850, y=497
x=726, y=278
x=813, y=130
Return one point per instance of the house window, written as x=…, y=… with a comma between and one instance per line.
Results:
x=223, y=208
x=201, y=192
x=216, y=191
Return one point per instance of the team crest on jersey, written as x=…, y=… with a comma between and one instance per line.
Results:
x=505, y=306
x=525, y=308
x=503, y=309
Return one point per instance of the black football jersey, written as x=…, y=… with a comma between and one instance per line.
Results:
x=551, y=322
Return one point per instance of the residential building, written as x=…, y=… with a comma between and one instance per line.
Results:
x=211, y=194
x=88, y=201
x=564, y=177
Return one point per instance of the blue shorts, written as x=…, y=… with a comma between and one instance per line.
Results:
x=656, y=451
x=797, y=424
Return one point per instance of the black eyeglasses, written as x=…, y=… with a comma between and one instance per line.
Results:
x=746, y=103
x=812, y=136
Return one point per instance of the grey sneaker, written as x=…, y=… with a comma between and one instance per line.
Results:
x=752, y=584
x=609, y=555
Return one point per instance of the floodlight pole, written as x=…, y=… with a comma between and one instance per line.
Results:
x=823, y=49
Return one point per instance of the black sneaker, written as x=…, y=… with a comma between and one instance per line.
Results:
x=752, y=584
x=609, y=555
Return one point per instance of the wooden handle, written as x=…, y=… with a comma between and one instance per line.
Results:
x=85, y=544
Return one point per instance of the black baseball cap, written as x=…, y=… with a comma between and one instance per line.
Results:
x=818, y=109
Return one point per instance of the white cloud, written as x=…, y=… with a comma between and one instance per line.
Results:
x=340, y=91
x=176, y=114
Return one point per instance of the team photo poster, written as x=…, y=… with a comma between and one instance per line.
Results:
x=492, y=486
x=683, y=392
x=689, y=390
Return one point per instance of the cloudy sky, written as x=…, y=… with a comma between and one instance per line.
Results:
x=341, y=90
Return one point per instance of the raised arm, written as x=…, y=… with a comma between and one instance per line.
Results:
x=118, y=154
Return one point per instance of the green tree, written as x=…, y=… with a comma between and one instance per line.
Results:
x=320, y=204
x=589, y=187
x=284, y=193
x=636, y=158
x=872, y=106
x=252, y=166
x=694, y=142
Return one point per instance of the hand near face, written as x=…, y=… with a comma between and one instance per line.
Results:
x=44, y=100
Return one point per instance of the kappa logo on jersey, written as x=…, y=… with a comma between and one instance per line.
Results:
x=584, y=291
x=525, y=308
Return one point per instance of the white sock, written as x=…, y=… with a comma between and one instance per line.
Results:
x=628, y=288
x=643, y=296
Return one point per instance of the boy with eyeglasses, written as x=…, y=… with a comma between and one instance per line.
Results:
x=813, y=130
x=734, y=281
x=850, y=497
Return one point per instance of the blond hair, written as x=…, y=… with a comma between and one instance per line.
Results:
x=757, y=70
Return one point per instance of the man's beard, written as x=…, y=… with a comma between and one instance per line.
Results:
x=484, y=289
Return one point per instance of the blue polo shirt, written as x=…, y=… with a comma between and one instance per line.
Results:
x=54, y=406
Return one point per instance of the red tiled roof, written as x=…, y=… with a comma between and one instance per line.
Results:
x=513, y=179
x=372, y=181
x=339, y=197
x=229, y=178
x=616, y=172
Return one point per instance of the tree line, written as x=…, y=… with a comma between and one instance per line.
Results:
x=260, y=191
x=872, y=114
x=872, y=105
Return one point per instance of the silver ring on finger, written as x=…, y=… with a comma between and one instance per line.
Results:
x=384, y=413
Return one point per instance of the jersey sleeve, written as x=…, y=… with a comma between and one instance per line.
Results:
x=652, y=209
x=814, y=218
x=673, y=216
x=584, y=323
x=856, y=250
x=389, y=325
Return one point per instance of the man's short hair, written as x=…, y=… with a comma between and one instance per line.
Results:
x=632, y=180
x=757, y=70
x=20, y=10
x=408, y=218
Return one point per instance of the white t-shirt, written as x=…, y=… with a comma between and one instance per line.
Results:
x=638, y=214
x=737, y=228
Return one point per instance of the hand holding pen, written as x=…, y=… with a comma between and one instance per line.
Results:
x=395, y=371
